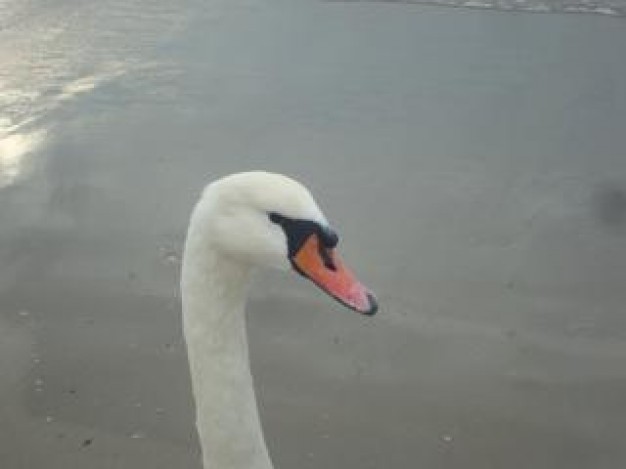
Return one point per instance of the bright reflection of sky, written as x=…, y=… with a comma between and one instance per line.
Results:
x=15, y=142
x=53, y=52
x=13, y=150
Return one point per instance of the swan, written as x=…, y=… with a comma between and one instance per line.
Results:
x=243, y=222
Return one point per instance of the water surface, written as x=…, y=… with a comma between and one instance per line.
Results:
x=473, y=162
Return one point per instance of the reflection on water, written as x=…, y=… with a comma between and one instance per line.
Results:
x=13, y=150
x=15, y=141
x=89, y=83
x=53, y=53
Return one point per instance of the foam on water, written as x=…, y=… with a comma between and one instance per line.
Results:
x=597, y=7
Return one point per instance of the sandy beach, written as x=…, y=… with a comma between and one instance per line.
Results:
x=472, y=162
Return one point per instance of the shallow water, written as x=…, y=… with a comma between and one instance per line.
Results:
x=471, y=160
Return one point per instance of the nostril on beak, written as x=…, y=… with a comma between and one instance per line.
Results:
x=327, y=259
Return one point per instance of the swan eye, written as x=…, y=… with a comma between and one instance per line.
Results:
x=298, y=230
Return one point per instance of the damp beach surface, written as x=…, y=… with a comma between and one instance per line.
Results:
x=471, y=160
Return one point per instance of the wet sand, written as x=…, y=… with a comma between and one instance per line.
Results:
x=473, y=163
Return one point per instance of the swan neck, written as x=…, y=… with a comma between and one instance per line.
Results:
x=214, y=292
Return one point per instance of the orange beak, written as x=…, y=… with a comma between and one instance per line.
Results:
x=324, y=267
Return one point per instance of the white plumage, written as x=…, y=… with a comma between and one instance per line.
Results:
x=230, y=235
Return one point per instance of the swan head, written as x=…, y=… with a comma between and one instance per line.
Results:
x=269, y=220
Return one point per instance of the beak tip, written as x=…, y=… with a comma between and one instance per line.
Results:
x=373, y=305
